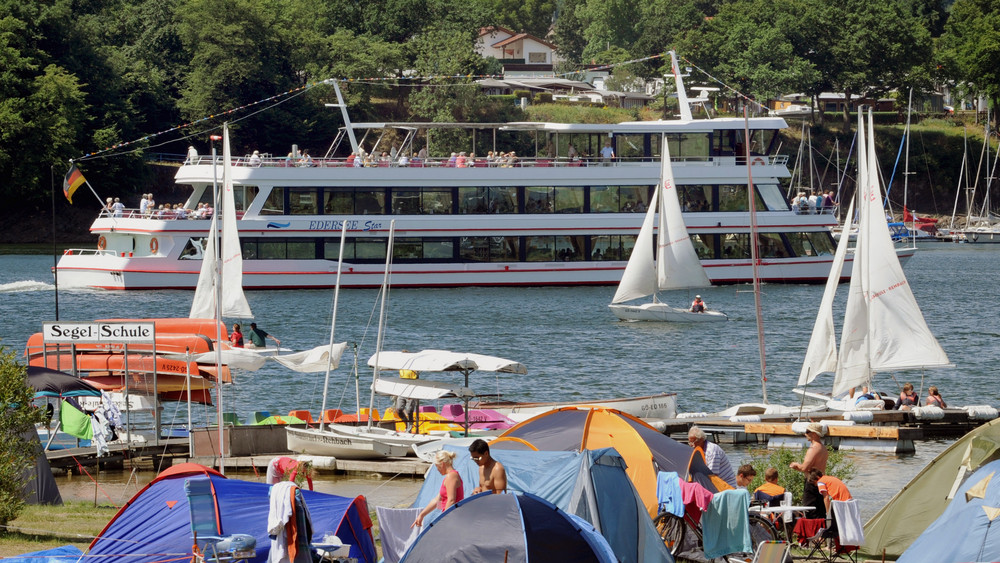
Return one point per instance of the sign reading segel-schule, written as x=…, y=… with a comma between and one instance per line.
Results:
x=129, y=333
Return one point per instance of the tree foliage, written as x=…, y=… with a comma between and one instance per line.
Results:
x=82, y=77
x=17, y=455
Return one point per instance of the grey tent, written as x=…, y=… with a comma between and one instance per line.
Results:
x=518, y=528
x=39, y=484
x=591, y=484
x=926, y=496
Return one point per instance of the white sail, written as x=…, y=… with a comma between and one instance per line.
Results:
x=234, y=302
x=639, y=279
x=677, y=263
x=821, y=355
x=203, y=304
x=894, y=335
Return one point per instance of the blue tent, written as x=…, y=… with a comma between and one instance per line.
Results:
x=969, y=529
x=591, y=484
x=155, y=525
x=62, y=554
x=517, y=528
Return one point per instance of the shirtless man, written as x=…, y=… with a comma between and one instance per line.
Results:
x=492, y=475
x=815, y=458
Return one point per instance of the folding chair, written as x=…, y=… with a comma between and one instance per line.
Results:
x=771, y=552
x=850, y=529
x=206, y=528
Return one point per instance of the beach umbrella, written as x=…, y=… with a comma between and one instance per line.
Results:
x=53, y=383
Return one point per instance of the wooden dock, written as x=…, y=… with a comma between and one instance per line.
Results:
x=888, y=431
x=146, y=454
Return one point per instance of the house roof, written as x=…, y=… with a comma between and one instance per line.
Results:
x=521, y=36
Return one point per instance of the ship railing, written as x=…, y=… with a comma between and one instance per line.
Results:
x=269, y=161
x=92, y=252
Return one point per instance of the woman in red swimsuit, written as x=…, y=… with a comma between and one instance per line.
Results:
x=451, y=488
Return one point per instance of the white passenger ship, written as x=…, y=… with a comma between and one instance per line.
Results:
x=551, y=220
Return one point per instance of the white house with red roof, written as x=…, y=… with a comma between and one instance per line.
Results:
x=521, y=54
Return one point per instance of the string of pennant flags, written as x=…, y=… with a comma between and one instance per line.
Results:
x=282, y=97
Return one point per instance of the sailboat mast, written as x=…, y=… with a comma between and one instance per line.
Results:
x=755, y=255
x=216, y=246
x=906, y=171
x=333, y=321
x=381, y=315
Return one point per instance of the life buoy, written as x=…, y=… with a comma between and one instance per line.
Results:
x=154, y=245
x=102, y=243
x=757, y=160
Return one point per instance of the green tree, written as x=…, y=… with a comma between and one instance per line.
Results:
x=607, y=24
x=970, y=48
x=747, y=46
x=16, y=454
x=567, y=32
x=877, y=46
x=531, y=16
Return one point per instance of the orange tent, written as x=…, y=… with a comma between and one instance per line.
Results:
x=645, y=449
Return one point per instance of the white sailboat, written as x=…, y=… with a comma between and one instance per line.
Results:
x=675, y=265
x=883, y=329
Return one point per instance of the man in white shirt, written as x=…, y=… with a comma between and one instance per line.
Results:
x=607, y=152
x=715, y=458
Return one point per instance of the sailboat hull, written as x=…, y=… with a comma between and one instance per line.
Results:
x=661, y=312
x=343, y=445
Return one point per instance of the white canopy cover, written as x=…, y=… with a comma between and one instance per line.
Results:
x=443, y=360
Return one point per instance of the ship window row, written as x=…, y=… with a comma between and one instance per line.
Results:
x=548, y=248
x=511, y=200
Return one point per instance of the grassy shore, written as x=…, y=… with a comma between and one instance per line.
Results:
x=44, y=527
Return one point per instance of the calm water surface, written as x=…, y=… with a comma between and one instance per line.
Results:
x=573, y=346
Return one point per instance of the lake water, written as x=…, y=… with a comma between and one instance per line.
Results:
x=573, y=346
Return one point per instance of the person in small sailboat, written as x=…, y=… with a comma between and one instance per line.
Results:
x=697, y=306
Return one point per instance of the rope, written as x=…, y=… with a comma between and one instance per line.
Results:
x=96, y=484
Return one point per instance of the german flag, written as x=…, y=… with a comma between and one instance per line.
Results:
x=73, y=180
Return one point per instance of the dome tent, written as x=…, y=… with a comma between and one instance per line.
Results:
x=646, y=451
x=518, y=528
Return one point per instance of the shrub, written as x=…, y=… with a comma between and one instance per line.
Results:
x=19, y=416
x=543, y=98
x=837, y=465
x=518, y=94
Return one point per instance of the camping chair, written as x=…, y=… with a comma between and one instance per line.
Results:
x=849, y=534
x=207, y=543
x=771, y=552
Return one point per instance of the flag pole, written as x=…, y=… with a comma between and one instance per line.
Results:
x=92, y=190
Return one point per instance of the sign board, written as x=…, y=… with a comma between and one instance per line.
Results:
x=108, y=332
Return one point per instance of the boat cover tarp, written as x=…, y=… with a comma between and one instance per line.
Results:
x=155, y=524
x=969, y=529
x=444, y=360
x=53, y=383
x=419, y=388
x=925, y=497
x=646, y=451
x=591, y=484
x=519, y=528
